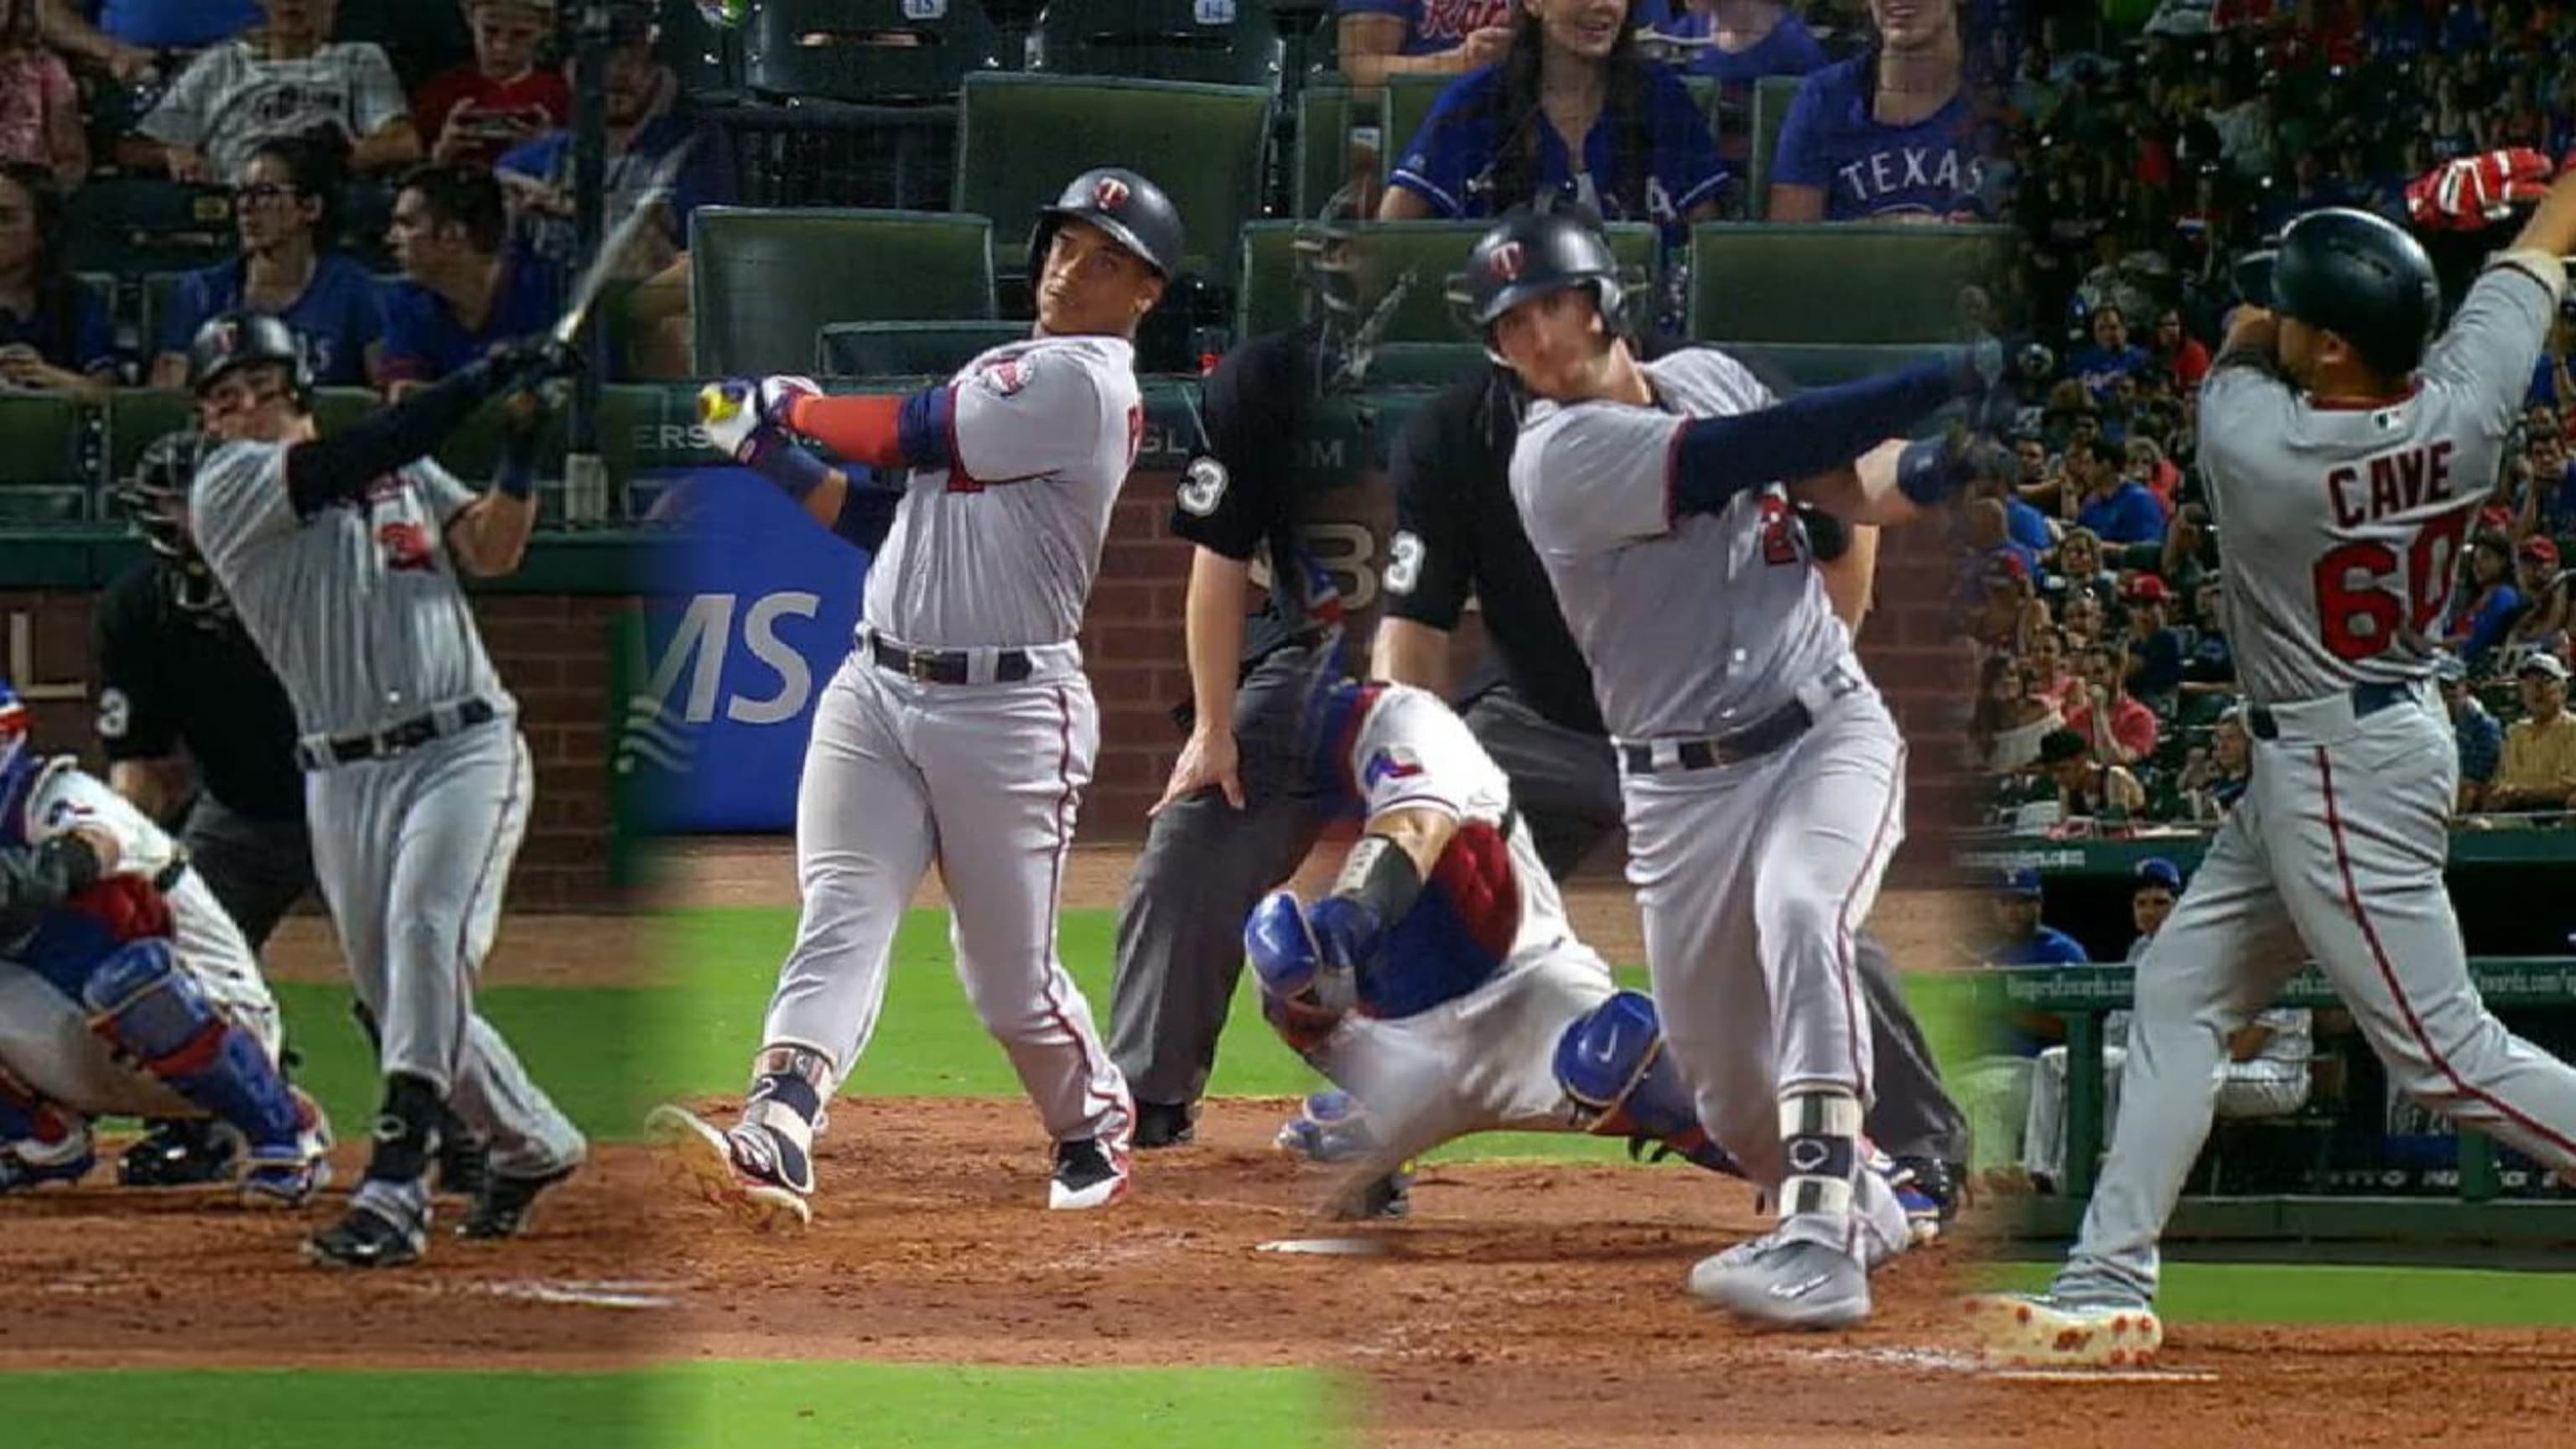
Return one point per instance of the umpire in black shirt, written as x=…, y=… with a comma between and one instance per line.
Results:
x=1531, y=706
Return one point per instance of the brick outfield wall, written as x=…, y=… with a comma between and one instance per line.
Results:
x=1132, y=639
x=554, y=653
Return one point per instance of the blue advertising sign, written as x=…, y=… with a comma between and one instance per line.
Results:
x=751, y=609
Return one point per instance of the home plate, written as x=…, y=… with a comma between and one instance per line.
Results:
x=1328, y=1247
x=588, y=1295
x=2106, y=1376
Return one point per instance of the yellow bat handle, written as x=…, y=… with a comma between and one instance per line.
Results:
x=718, y=403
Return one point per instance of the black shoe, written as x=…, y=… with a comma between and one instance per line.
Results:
x=364, y=1239
x=1164, y=1124
x=1390, y=1196
x=1936, y=1180
x=463, y=1161
x=501, y=1210
x=1086, y=1176
x=180, y=1152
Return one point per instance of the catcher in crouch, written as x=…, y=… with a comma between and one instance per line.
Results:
x=1441, y=984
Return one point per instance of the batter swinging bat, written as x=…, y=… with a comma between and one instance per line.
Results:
x=594, y=279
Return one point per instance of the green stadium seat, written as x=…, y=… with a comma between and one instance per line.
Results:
x=866, y=50
x=1408, y=101
x=42, y=474
x=1797, y=366
x=1229, y=42
x=1429, y=250
x=132, y=225
x=1838, y=282
x=136, y=416
x=1424, y=364
x=1326, y=111
x=768, y=281
x=1020, y=138
x=1771, y=97
x=158, y=289
x=906, y=349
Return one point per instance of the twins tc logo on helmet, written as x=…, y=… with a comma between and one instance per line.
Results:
x=1507, y=261
x=1109, y=193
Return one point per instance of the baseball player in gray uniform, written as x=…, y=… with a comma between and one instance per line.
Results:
x=2346, y=462
x=341, y=555
x=961, y=729
x=1762, y=774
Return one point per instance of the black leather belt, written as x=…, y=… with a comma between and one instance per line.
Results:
x=1751, y=742
x=948, y=666
x=411, y=734
x=2367, y=700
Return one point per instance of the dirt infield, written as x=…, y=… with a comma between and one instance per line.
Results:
x=1522, y=1305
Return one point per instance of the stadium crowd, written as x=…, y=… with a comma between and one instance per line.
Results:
x=402, y=200
x=2106, y=694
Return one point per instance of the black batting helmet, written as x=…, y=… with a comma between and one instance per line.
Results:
x=237, y=339
x=2362, y=278
x=1134, y=211
x=1535, y=252
x=155, y=495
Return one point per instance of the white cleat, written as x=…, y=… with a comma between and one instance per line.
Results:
x=747, y=1172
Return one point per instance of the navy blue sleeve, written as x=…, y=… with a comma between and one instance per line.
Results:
x=1821, y=429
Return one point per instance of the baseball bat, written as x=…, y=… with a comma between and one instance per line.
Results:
x=594, y=278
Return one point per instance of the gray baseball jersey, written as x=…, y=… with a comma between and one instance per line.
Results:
x=970, y=565
x=1718, y=617
x=357, y=608
x=2344, y=526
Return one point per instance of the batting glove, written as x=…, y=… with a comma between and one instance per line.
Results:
x=1281, y=948
x=729, y=412
x=2475, y=192
x=778, y=394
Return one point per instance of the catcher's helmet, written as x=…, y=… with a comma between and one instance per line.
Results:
x=1532, y=253
x=239, y=339
x=2362, y=278
x=153, y=496
x=1133, y=210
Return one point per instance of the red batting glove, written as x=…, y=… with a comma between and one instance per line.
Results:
x=2475, y=192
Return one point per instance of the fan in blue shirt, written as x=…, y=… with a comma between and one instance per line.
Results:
x=1887, y=135
x=2110, y=356
x=62, y=339
x=1647, y=153
x=284, y=208
x=2118, y=510
x=461, y=290
x=2025, y=941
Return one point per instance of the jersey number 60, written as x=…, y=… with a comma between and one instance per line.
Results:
x=2360, y=615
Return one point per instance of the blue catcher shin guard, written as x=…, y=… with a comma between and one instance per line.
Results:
x=1611, y=1061
x=145, y=1006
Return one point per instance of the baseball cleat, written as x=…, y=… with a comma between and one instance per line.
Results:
x=1164, y=1124
x=365, y=1238
x=749, y=1172
x=2036, y=1330
x=181, y=1152
x=26, y=1165
x=501, y=1209
x=1327, y=1128
x=463, y=1168
x=289, y=1174
x=1930, y=1192
x=1773, y=1282
x=1087, y=1175
x=1386, y=1198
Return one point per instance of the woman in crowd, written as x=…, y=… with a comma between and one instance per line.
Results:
x=40, y=119
x=2215, y=781
x=53, y=331
x=2485, y=609
x=1570, y=109
x=2178, y=354
x=2010, y=720
x=1888, y=135
x=2080, y=619
x=285, y=207
x=2079, y=562
x=2044, y=670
